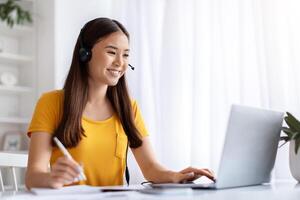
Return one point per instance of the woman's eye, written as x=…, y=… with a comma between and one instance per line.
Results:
x=111, y=52
x=126, y=55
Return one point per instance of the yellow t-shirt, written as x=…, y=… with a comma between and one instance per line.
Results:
x=102, y=152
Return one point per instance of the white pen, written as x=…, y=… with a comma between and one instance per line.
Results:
x=68, y=155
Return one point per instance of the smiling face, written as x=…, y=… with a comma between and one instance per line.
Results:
x=109, y=59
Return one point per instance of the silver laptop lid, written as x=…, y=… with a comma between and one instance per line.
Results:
x=250, y=147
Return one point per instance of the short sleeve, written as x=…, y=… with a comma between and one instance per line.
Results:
x=139, y=121
x=47, y=113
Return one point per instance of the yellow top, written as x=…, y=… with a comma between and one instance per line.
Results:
x=101, y=152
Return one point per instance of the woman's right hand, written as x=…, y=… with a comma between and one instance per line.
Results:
x=64, y=171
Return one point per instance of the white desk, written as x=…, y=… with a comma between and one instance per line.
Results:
x=280, y=190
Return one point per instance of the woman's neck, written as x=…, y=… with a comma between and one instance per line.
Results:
x=98, y=106
x=97, y=94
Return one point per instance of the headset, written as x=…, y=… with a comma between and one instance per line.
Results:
x=85, y=54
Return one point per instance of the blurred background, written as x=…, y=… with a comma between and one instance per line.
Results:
x=192, y=58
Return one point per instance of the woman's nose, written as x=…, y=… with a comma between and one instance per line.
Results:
x=118, y=61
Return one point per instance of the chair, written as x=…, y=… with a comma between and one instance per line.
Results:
x=12, y=160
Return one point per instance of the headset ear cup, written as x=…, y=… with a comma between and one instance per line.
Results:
x=84, y=55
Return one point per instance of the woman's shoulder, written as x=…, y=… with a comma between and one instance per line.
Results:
x=135, y=106
x=133, y=103
x=53, y=95
x=52, y=98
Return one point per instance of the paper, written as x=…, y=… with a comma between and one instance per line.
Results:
x=121, y=188
x=66, y=190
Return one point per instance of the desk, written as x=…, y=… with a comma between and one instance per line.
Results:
x=279, y=190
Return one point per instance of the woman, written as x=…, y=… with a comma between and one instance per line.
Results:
x=94, y=117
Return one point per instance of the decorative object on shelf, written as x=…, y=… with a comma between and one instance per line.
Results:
x=8, y=79
x=293, y=136
x=13, y=13
x=12, y=141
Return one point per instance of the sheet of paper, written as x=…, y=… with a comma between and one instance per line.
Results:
x=66, y=190
x=76, y=196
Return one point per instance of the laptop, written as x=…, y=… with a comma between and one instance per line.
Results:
x=249, y=149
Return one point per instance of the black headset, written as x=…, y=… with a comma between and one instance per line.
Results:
x=85, y=53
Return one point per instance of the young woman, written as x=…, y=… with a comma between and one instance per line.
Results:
x=95, y=119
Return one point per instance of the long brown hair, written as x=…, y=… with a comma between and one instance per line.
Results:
x=70, y=130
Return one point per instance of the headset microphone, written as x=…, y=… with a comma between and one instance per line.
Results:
x=131, y=67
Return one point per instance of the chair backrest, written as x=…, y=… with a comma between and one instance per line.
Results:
x=12, y=160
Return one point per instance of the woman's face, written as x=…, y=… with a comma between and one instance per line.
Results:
x=109, y=59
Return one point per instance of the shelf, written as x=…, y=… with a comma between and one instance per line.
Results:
x=14, y=158
x=14, y=120
x=8, y=58
x=16, y=31
x=14, y=89
x=29, y=1
x=18, y=56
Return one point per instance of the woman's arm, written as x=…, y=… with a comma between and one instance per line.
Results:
x=37, y=174
x=156, y=173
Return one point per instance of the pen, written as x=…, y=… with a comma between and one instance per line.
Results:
x=68, y=155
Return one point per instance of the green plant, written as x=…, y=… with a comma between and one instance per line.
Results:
x=292, y=131
x=13, y=13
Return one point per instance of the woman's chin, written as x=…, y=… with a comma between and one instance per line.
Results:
x=113, y=82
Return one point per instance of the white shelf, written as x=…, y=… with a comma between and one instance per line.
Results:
x=9, y=58
x=29, y=1
x=14, y=120
x=15, y=89
x=12, y=158
x=16, y=30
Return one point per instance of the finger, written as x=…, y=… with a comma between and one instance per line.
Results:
x=64, y=170
x=205, y=173
x=69, y=162
x=58, y=182
x=55, y=184
x=199, y=172
x=64, y=175
x=66, y=181
x=59, y=167
x=213, y=174
x=210, y=171
x=183, y=178
x=195, y=177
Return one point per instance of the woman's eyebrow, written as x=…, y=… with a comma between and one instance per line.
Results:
x=113, y=47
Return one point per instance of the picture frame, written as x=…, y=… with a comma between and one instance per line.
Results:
x=12, y=141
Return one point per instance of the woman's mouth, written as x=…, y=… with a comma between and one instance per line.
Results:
x=114, y=73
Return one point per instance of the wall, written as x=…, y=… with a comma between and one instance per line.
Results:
x=69, y=18
x=59, y=23
x=45, y=46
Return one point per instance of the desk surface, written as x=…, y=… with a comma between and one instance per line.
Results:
x=279, y=190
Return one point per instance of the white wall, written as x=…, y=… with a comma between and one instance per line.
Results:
x=45, y=46
x=69, y=17
x=59, y=23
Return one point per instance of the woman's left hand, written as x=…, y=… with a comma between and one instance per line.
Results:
x=191, y=174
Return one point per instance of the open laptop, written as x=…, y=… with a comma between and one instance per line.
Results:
x=249, y=150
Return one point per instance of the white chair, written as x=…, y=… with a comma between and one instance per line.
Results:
x=12, y=160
